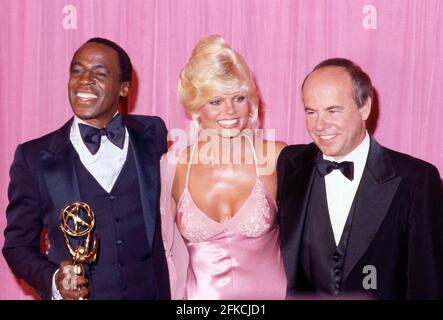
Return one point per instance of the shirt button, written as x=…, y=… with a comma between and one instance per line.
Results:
x=120, y=264
x=117, y=219
x=111, y=197
x=119, y=242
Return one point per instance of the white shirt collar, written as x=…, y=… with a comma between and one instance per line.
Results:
x=106, y=165
x=75, y=131
x=358, y=155
x=77, y=120
x=78, y=143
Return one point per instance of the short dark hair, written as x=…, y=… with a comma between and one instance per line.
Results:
x=361, y=83
x=123, y=57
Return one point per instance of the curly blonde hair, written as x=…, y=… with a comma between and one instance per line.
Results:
x=215, y=69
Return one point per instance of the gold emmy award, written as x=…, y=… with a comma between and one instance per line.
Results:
x=77, y=225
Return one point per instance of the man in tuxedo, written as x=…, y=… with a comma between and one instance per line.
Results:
x=107, y=160
x=357, y=220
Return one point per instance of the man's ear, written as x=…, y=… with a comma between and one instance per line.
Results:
x=365, y=109
x=124, y=88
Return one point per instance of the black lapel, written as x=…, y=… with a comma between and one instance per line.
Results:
x=294, y=201
x=57, y=163
x=377, y=188
x=143, y=139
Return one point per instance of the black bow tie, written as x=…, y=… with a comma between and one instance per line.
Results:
x=346, y=167
x=115, y=131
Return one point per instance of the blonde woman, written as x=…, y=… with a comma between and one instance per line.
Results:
x=218, y=201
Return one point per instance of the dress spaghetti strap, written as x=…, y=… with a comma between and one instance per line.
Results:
x=254, y=153
x=189, y=165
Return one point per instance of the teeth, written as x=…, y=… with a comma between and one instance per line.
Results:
x=327, y=137
x=227, y=122
x=86, y=96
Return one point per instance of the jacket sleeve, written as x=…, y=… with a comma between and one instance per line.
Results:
x=425, y=239
x=24, y=225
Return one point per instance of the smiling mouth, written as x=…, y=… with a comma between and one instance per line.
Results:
x=327, y=137
x=86, y=96
x=228, y=123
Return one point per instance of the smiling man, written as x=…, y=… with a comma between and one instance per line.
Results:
x=105, y=159
x=357, y=220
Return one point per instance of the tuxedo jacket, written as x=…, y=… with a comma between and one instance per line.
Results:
x=43, y=181
x=397, y=225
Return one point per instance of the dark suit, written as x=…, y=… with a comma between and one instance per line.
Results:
x=397, y=225
x=44, y=178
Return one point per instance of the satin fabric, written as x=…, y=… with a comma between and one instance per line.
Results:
x=238, y=259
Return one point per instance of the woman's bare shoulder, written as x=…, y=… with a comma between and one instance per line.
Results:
x=276, y=146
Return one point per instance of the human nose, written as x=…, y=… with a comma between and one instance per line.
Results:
x=229, y=107
x=321, y=122
x=86, y=77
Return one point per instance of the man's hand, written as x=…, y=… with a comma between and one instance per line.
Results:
x=70, y=285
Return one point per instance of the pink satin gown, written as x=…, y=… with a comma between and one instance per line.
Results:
x=238, y=259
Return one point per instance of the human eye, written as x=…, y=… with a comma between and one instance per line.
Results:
x=215, y=102
x=100, y=73
x=334, y=110
x=309, y=112
x=240, y=99
x=76, y=70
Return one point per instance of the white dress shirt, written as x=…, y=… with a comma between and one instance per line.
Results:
x=107, y=163
x=340, y=191
x=105, y=166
